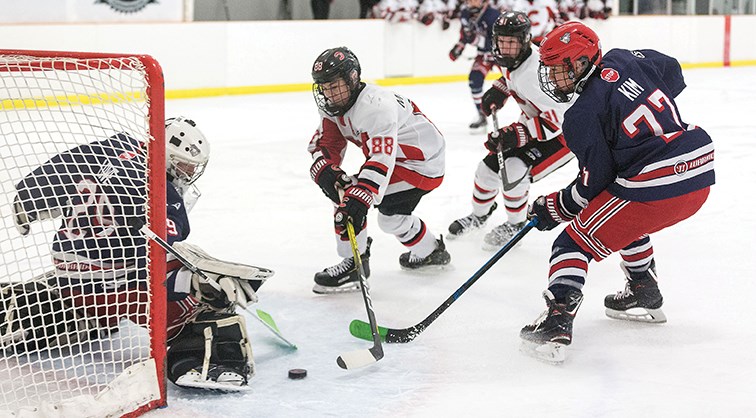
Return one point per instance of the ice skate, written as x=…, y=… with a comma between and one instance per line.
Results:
x=343, y=277
x=479, y=124
x=434, y=261
x=218, y=378
x=641, y=300
x=546, y=338
x=501, y=235
x=469, y=223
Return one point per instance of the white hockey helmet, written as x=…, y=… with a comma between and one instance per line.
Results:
x=187, y=151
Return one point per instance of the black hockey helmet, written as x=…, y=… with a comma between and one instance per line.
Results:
x=514, y=24
x=331, y=65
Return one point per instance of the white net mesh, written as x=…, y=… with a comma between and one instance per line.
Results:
x=74, y=277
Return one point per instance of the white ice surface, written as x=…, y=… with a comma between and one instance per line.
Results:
x=259, y=206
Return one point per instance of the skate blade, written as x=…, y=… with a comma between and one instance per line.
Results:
x=428, y=270
x=552, y=353
x=330, y=290
x=652, y=316
x=492, y=247
x=193, y=381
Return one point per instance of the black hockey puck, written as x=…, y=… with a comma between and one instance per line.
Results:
x=297, y=374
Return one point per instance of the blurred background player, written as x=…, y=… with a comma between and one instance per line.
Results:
x=477, y=19
x=641, y=170
x=581, y=9
x=404, y=155
x=99, y=259
x=543, y=15
x=532, y=147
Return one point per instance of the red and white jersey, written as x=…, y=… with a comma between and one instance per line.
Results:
x=397, y=139
x=540, y=113
x=542, y=14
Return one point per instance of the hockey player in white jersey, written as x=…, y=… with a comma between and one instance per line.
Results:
x=532, y=147
x=543, y=16
x=404, y=155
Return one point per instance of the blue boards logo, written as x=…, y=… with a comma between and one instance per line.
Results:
x=126, y=6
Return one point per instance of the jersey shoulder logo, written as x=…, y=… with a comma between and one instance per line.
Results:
x=127, y=155
x=638, y=54
x=610, y=75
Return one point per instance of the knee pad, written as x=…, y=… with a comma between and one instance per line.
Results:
x=487, y=177
x=394, y=224
x=475, y=81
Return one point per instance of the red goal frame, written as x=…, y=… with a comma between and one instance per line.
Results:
x=155, y=93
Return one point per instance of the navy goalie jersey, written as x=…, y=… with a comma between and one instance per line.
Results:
x=627, y=134
x=95, y=189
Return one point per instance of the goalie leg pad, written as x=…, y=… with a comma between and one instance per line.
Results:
x=33, y=316
x=212, y=352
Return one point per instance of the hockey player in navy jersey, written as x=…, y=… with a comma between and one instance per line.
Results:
x=404, y=155
x=532, y=147
x=100, y=261
x=642, y=169
x=477, y=19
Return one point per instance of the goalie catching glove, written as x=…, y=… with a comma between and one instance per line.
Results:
x=225, y=283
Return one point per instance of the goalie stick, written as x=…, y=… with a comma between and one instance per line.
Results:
x=264, y=317
x=360, y=329
x=363, y=357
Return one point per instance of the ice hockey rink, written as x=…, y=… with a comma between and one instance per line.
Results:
x=259, y=206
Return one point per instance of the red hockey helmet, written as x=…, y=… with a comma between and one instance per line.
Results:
x=575, y=49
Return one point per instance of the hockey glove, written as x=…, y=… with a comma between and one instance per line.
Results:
x=233, y=291
x=495, y=97
x=330, y=178
x=508, y=138
x=550, y=211
x=456, y=51
x=354, y=207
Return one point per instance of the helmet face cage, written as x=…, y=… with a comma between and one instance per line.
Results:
x=330, y=67
x=187, y=152
x=515, y=24
x=550, y=87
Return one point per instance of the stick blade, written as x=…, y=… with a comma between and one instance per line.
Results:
x=362, y=330
x=359, y=358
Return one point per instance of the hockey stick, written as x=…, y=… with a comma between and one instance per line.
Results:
x=137, y=224
x=270, y=324
x=363, y=357
x=360, y=329
x=499, y=152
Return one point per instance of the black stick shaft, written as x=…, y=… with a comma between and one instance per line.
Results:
x=409, y=334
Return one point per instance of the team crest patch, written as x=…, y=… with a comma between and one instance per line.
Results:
x=610, y=75
x=127, y=6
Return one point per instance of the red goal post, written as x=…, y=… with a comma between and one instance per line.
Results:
x=51, y=102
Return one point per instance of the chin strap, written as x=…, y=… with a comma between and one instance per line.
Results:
x=580, y=84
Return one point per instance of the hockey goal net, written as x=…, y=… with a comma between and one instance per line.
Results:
x=82, y=312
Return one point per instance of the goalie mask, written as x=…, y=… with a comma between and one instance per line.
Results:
x=336, y=76
x=511, y=39
x=569, y=55
x=187, y=152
